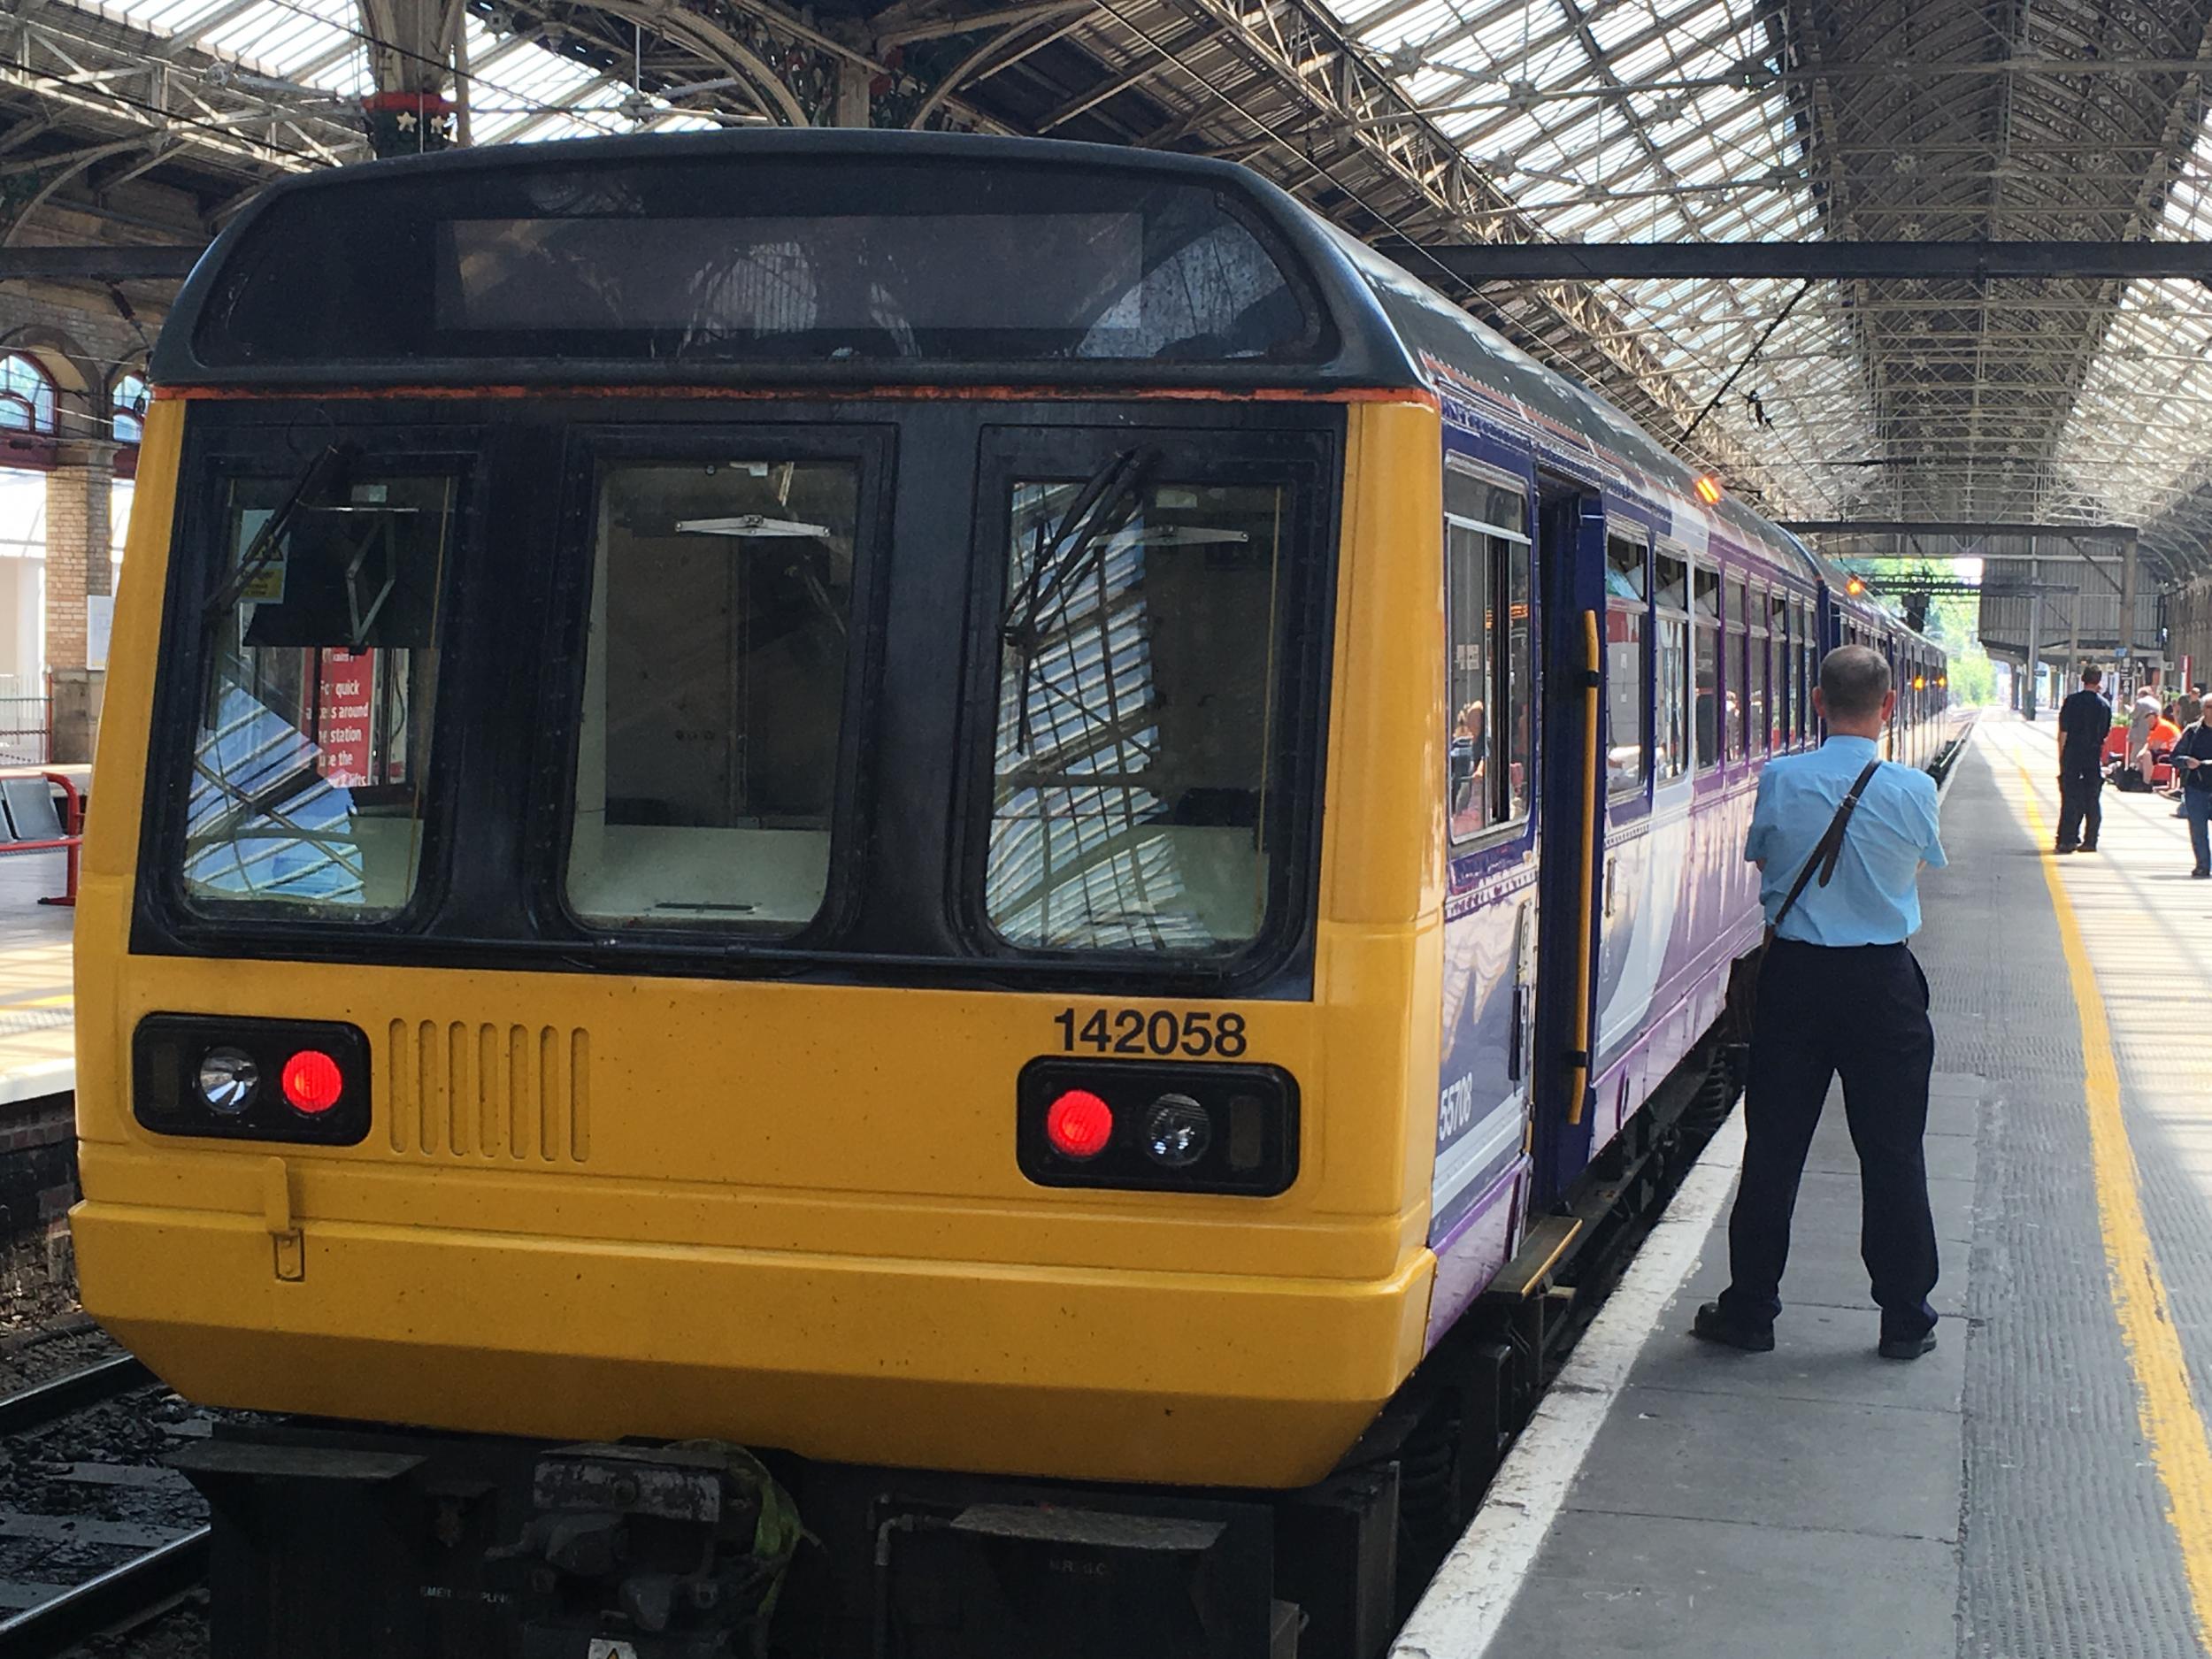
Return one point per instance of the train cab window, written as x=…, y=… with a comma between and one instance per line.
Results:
x=1779, y=699
x=714, y=679
x=1671, y=710
x=1492, y=677
x=308, y=769
x=1627, y=666
x=1705, y=608
x=1134, y=776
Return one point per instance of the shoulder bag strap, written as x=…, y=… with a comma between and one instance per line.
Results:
x=1831, y=846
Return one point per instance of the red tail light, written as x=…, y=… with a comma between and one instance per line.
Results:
x=1079, y=1124
x=312, y=1081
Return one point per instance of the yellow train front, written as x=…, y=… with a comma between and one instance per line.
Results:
x=789, y=792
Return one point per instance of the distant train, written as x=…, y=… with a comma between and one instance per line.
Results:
x=983, y=846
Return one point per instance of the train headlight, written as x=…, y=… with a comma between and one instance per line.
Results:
x=1157, y=1125
x=233, y=1076
x=1176, y=1131
x=228, y=1080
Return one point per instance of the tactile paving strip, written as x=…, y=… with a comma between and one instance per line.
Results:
x=2067, y=1554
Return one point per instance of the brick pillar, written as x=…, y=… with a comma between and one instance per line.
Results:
x=79, y=562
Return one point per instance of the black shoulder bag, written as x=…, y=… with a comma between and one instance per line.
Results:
x=1743, y=978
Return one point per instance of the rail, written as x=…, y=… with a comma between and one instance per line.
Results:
x=123, y=1595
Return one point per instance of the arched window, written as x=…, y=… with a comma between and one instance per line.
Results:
x=127, y=407
x=26, y=395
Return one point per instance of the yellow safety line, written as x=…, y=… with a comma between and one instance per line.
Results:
x=2180, y=1450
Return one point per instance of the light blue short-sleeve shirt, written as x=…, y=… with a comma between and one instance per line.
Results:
x=1874, y=897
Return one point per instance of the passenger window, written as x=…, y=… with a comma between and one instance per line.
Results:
x=1670, y=713
x=1808, y=675
x=307, y=770
x=1738, y=693
x=1627, y=666
x=714, y=693
x=1756, y=680
x=1141, y=692
x=1489, y=756
x=1779, y=698
x=1706, y=614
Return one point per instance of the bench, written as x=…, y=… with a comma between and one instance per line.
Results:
x=35, y=825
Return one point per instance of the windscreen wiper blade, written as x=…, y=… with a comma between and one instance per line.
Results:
x=1061, y=556
x=317, y=477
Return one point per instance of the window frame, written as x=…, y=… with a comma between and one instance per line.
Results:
x=1499, y=540
x=1706, y=619
x=44, y=385
x=199, y=553
x=1780, y=687
x=1664, y=614
x=588, y=452
x=1735, y=670
x=1644, y=611
x=1291, y=458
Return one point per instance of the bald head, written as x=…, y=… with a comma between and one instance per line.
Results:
x=1854, y=680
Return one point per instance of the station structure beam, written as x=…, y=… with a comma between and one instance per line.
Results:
x=1820, y=261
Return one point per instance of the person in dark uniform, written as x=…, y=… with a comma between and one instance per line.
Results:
x=1839, y=992
x=2193, y=764
x=2084, y=721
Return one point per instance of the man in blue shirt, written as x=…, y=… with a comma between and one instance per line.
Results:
x=1839, y=992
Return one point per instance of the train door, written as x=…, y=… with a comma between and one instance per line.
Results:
x=1573, y=562
x=1492, y=911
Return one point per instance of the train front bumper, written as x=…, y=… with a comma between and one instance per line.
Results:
x=1185, y=1378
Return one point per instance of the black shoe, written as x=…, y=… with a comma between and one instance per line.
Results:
x=1907, y=1347
x=2086, y=847
x=2200, y=875
x=1712, y=1326
x=2065, y=850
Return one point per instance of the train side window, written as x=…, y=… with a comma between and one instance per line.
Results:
x=1627, y=666
x=714, y=684
x=308, y=769
x=1671, y=712
x=1705, y=610
x=1808, y=675
x=1516, y=690
x=1755, y=674
x=1778, y=697
x=1737, y=688
x=1492, y=670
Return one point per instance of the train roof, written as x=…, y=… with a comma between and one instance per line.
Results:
x=387, y=245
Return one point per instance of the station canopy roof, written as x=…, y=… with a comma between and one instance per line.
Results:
x=1455, y=120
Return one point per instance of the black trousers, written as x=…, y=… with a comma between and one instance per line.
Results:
x=2080, y=806
x=1863, y=1012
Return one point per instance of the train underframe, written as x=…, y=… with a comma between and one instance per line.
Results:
x=362, y=1542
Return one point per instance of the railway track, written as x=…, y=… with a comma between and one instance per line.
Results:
x=161, y=1561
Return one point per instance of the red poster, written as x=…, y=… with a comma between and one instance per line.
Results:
x=347, y=693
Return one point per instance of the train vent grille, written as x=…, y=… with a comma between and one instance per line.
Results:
x=518, y=1094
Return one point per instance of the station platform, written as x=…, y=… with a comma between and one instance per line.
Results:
x=2040, y=1485
x=37, y=1000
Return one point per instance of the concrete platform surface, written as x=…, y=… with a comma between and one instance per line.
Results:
x=37, y=998
x=2039, y=1488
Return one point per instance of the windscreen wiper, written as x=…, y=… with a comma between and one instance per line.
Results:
x=317, y=477
x=1062, y=554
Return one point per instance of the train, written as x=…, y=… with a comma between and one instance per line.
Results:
x=891, y=894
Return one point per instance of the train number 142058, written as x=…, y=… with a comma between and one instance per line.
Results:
x=1133, y=1031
